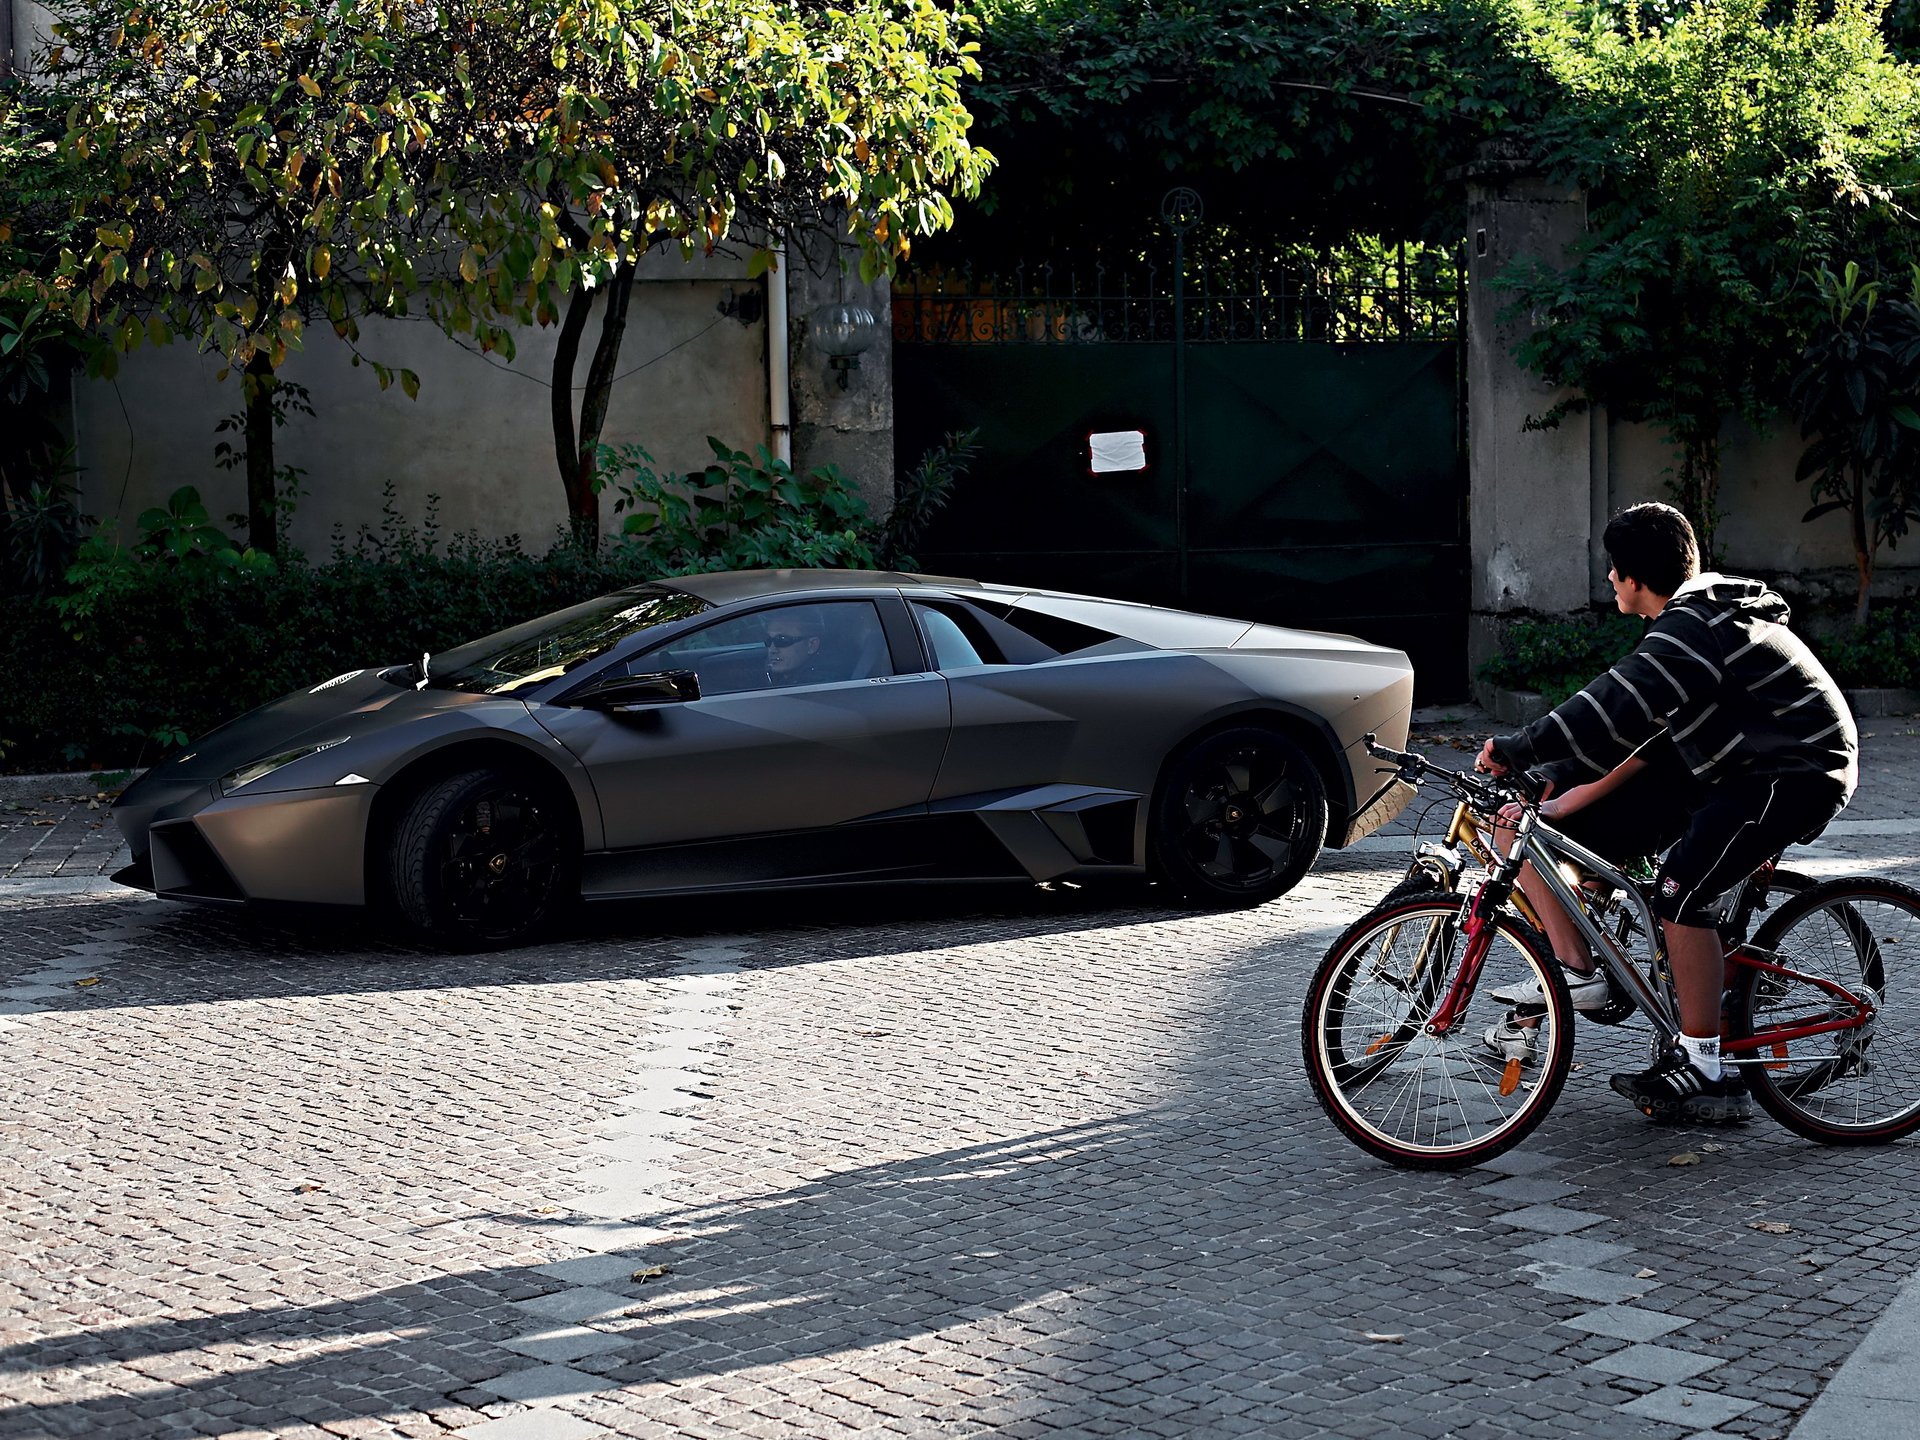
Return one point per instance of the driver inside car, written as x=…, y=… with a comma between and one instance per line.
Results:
x=793, y=639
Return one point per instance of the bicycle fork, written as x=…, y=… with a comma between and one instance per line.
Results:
x=1480, y=914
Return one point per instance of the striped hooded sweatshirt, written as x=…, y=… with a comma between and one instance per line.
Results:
x=1737, y=692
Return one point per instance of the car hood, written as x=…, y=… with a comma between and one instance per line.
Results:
x=356, y=704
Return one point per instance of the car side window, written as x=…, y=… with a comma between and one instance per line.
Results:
x=963, y=633
x=949, y=644
x=779, y=648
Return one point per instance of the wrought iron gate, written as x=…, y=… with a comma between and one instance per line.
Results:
x=1302, y=430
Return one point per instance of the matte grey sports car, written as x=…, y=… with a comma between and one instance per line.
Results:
x=786, y=728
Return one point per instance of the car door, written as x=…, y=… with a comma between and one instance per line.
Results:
x=1042, y=699
x=844, y=738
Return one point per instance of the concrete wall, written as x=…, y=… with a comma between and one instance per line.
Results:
x=1531, y=516
x=1540, y=500
x=850, y=428
x=479, y=434
x=1761, y=531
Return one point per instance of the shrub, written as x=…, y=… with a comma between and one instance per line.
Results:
x=1557, y=657
x=149, y=645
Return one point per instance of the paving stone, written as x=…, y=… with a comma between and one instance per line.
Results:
x=534, y=1425
x=1679, y=1405
x=590, y=1270
x=1528, y=1190
x=1659, y=1363
x=1551, y=1219
x=1628, y=1322
x=567, y=1343
x=1585, y=1284
x=1520, y=1162
x=544, y=1382
x=583, y=1302
x=1573, y=1250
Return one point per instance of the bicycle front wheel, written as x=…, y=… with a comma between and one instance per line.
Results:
x=1852, y=1086
x=1424, y=1100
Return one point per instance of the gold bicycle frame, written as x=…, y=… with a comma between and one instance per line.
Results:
x=1464, y=832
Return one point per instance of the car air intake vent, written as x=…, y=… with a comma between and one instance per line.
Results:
x=1096, y=830
x=184, y=864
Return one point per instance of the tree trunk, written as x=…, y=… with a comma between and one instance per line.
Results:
x=566, y=354
x=1697, y=491
x=257, y=386
x=583, y=503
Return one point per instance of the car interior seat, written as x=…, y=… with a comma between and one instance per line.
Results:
x=871, y=658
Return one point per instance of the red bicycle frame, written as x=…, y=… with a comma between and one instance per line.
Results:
x=1780, y=1034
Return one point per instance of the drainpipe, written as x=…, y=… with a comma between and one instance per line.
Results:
x=779, y=378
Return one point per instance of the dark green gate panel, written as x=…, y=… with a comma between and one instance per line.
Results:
x=1326, y=489
x=1031, y=495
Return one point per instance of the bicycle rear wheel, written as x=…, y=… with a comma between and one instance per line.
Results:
x=1844, y=1087
x=1424, y=1101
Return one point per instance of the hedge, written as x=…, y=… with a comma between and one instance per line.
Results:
x=177, y=652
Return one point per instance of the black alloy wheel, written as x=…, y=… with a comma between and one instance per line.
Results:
x=1239, y=819
x=485, y=859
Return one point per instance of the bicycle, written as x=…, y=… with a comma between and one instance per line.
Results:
x=1392, y=1025
x=1439, y=866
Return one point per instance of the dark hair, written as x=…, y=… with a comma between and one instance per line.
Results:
x=1654, y=544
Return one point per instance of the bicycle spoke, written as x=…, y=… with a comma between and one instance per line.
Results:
x=1403, y=1091
x=1856, y=1083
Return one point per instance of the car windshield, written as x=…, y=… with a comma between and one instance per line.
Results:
x=547, y=648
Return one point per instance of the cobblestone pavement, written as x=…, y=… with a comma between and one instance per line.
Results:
x=942, y=1163
x=56, y=826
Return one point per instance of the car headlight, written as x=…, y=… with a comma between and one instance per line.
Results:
x=260, y=769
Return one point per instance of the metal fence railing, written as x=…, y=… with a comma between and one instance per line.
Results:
x=1384, y=294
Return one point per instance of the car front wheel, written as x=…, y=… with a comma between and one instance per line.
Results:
x=1239, y=819
x=484, y=859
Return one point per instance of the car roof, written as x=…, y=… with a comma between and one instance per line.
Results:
x=723, y=587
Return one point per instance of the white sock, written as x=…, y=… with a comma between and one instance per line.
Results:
x=1704, y=1053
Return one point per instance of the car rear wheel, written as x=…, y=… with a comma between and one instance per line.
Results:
x=1239, y=819
x=484, y=859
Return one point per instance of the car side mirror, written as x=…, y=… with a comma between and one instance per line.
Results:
x=624, y=694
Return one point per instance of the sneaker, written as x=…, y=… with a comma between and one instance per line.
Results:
x=1508, y=1039
x=1590, y=993
x=1673, y=1090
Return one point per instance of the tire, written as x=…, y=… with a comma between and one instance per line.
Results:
x=485, y=859
x=1849, y=1087
x=1416, y=1100
x=1239, y=819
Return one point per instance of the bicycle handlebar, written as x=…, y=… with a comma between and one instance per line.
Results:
x=1486, y=793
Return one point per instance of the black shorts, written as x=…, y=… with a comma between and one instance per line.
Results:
x=1643, y=815
x=1719, y=834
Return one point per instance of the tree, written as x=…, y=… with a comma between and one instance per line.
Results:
x=277, y=163
x=1725, y=157
x=1312, y=121
x=1855, y=395
x=579, y=135
x=39, y=346
x=243, y=154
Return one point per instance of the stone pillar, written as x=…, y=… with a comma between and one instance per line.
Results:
x=1532, y=509
x=24, y=28
x=850, y=428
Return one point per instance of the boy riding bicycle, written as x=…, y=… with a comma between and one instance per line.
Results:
x=1721, y=735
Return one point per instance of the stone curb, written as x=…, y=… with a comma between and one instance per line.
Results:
x=1523, y=707
x=19, y=788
